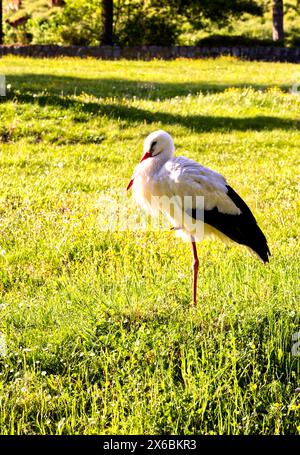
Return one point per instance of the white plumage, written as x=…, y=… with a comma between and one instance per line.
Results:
x=203, y=204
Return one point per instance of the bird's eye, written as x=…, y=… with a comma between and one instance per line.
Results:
x=153, y=144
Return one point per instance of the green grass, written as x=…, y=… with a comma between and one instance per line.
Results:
x=100, y=331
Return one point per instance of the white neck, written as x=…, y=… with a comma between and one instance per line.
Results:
x=151, y=166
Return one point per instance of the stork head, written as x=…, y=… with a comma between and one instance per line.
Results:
x=158, y=145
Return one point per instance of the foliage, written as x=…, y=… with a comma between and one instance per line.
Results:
x=217, y=11
x=80, y=22
x=100, y=332
x=140, y=24
x=77, y=23
x=149, y=22
x=252, y=27
x=135, y=21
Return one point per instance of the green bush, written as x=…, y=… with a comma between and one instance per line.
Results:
x=141, y=29
x=44, y=31
x=80, y=22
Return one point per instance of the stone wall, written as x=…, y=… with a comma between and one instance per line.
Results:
x=269, y=54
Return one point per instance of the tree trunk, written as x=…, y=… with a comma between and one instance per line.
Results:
x=278, y=33
x=107, y=22
x=1, y=22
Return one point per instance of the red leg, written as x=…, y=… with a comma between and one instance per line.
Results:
x=195, y=268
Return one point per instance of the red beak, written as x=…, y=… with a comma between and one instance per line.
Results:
x=129, y=185
x=145, y=156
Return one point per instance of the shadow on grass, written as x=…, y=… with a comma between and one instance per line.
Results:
x=118, y=87
x=131, y=114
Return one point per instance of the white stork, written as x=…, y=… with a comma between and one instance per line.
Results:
x=224, y=214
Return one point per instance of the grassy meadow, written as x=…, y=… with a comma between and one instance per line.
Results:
x=100, y=332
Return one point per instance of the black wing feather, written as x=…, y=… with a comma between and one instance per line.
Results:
x=242, y=228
